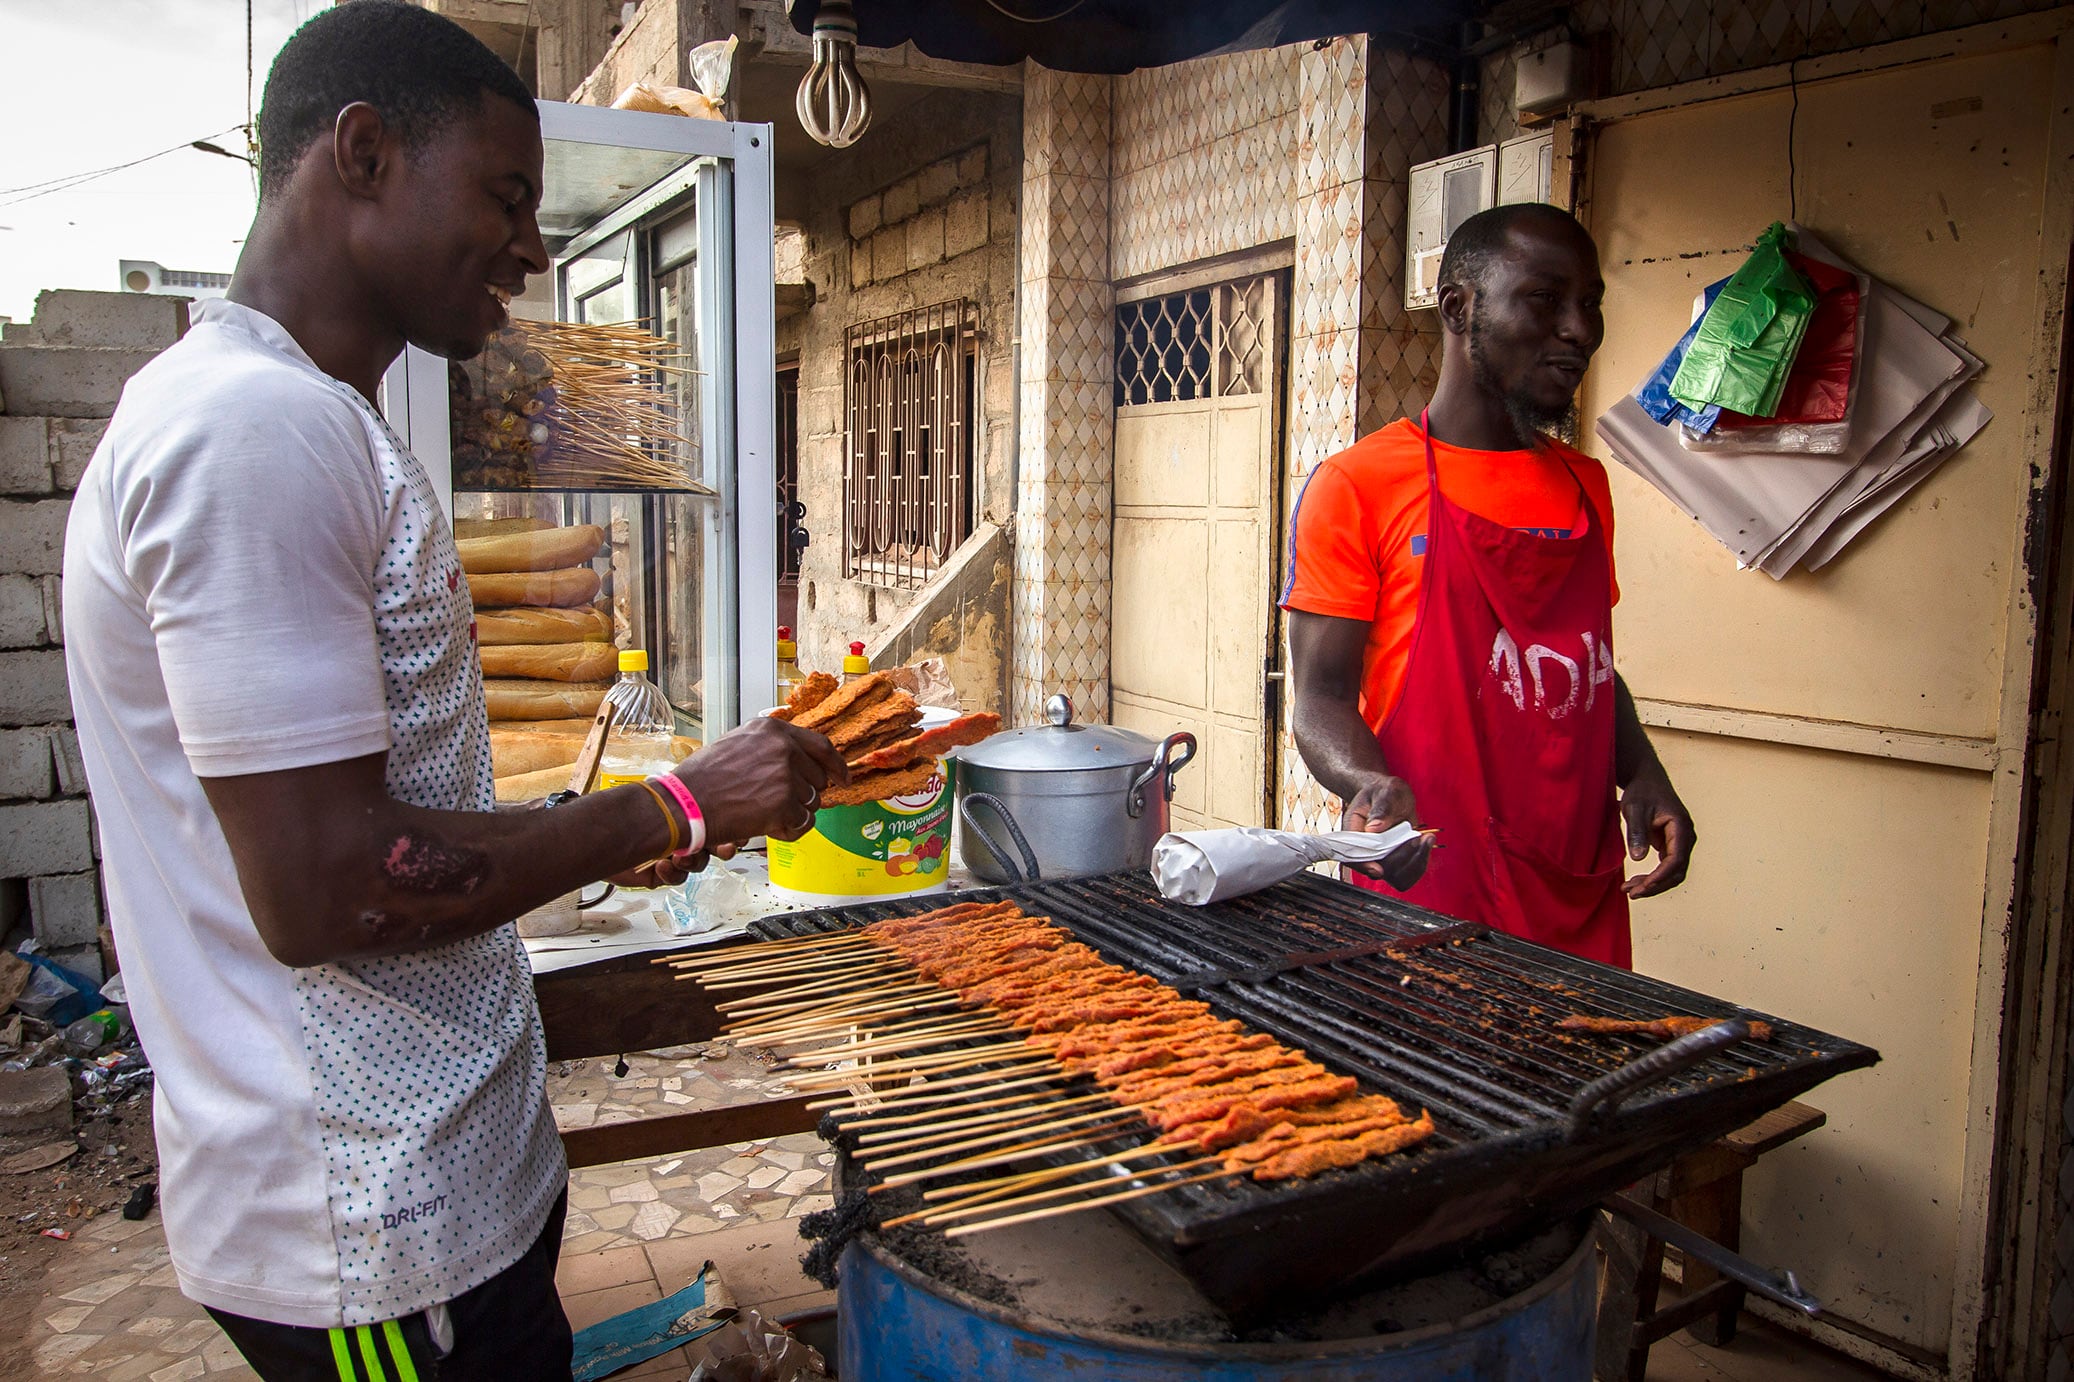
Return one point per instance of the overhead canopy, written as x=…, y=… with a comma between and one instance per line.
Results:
x=1123, y=35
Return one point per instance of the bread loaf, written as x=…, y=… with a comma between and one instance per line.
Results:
x=466, y=528
x=541, y=700
x=579, y=728
x=532, y=786
x=551, y=661
x=496, y=627
x=530, y=753
x=545, y=550
x=562, y=589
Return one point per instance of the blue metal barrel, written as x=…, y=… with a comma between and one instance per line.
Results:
x=898, y=1325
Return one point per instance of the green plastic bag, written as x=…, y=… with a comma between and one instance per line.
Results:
x=1748, y=339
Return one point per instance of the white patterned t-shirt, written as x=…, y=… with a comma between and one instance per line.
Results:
x=259, y=577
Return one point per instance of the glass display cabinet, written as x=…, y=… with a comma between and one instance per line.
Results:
x=609, y=459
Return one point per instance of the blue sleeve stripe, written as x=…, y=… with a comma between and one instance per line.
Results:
x=1295, y=516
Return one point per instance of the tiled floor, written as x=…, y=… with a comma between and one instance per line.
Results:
x=636, y=1232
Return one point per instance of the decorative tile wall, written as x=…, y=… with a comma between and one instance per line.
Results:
x=1204, y=159
x=1061, y=613
x=1358, y=358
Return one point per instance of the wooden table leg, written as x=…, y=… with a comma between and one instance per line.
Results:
x=1716, y=1211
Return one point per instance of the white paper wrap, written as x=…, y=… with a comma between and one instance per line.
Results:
x=1203, y=866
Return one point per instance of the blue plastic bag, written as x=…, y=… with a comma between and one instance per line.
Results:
x=82, y=995
x=1654, y=393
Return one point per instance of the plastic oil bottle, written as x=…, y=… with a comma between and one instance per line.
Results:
x=789, y=675
x=639, y=743
x=855, y=663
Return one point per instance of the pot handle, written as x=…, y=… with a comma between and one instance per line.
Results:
x=1175, y=752
x=1015, y=832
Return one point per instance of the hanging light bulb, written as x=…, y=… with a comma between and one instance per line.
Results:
x=834, y=104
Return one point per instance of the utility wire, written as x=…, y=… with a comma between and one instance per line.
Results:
x=13, y=196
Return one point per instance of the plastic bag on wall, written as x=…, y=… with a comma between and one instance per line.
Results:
x=1748, y=339
x=1814, y=416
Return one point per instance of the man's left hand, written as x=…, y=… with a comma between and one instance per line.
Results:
x=1654, y=818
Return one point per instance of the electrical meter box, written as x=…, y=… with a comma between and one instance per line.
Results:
x=1444, y=193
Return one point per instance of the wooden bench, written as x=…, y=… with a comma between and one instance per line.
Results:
x=1704, y=1191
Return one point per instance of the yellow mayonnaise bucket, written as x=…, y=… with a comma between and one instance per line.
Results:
x=900, y=847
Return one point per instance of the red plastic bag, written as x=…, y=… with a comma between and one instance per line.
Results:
x=1819, y=387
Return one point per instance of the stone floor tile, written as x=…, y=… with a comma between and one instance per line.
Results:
x=569, y=1116
x=763, y=1177
x=614, y=1216
x=181, y=1371
x=598, y=1271
x=113, y=1228
x=595, y=1307
x=222, y=1356
x=759, y=1262
x=715, y=1186
x=131, y=1369
x=634, y=1192
x=152, y=1326
x=190, y=1337
x=588, y=1196
x=652, y=1221
x=68, y=1319
x=676, y=1100
x=593, y=1242
x=800, y=1182
x=107, y=1287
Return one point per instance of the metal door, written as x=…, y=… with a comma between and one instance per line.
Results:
x=1195, y=503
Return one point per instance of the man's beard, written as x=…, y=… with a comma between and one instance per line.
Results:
x=1529, y=419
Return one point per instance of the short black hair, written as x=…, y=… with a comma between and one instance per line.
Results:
x=1478, y=241
x=419, y=70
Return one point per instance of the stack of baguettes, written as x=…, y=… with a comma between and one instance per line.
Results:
x=546, y=647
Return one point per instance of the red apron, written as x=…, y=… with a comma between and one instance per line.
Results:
x=1505, y=731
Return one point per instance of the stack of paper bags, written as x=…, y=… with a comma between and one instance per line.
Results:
x=1910, y=410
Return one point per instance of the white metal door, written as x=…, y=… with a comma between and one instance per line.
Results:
x=1195, y=523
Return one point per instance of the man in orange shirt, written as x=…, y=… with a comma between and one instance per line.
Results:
x=1450, y=608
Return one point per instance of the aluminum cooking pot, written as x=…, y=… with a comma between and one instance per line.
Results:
x=1069, y=800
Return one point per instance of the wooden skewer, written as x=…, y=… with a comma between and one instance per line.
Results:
x=875, y=1039
x=784, y=983
x=883, y=1158
x=1030, y=1096
x=1046, y=1174
x=942, y=1024
x=941, y=1140
x=944, y=1214
x=851, y=975
x=888, y=1001
x=842, y=962
x=915, y=1065
x=750, y=954
x=1078, y=1205
x=928, y=1092
x=769, y=1007
x=837, y=1017
x=1003, y=1156
x=1035, y=1109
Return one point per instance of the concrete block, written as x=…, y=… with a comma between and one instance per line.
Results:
x=25, y=455
x=26, y=770
x=938, y=181
x=902, y=200
x=925, y=238
x=32, y=536
x=860, y=264
x=965, y=223
x=72, y=443
x=38, y=1100
x=54, y=608
x=122, y=321
x=38, y=838
x=889, y=253
x=66, y=762
x=66, y=381
x=65, y=910
x=33, y=688
x=865, y=217
x=23, y=623
x=972, y=167
x=81, y=959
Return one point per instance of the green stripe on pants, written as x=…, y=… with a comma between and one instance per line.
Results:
x=369, y=1359
x=340, y=1358
x=399, y=1352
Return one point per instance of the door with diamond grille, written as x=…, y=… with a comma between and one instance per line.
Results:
x=1196, y=430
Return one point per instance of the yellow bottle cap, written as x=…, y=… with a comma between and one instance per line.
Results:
x=633, y=660
x=855, y=660
x=787, y=650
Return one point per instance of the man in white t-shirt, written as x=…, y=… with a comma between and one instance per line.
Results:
x=272, y=660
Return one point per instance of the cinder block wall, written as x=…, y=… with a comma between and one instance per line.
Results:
x=60, y=377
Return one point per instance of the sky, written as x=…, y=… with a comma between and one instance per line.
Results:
x=86, y=84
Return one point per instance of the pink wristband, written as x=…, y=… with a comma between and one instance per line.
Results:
x=694, y=819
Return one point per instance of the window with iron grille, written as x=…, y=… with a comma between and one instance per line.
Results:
x=907, y=491
x=1205, y=343
x=788, y=471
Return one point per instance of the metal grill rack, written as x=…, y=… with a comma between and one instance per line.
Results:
x=1454, y=1018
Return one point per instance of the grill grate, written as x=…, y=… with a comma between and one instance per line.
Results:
x=1464, y=1029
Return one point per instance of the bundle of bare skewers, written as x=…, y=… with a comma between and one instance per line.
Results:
x=564, y=405
x=978, y=1038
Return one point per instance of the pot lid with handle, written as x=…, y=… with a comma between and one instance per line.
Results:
x=1059, y=745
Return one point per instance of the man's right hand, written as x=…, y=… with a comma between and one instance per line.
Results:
x=1380, y=803
x=765, y=778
